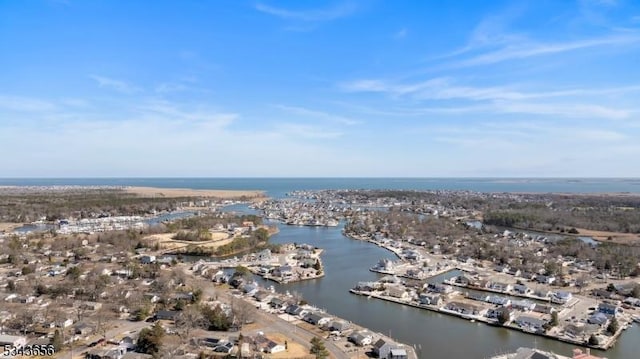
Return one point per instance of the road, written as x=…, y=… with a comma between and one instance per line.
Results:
x=123, y=326
x=277, y=324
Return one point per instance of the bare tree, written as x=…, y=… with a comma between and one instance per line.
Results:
x=243, y=312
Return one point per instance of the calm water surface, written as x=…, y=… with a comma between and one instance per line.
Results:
x=440, y=336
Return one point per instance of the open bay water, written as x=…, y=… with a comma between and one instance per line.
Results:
x=278, y=187
x=347, y=261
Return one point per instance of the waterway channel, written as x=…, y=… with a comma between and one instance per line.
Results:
x=346, y=263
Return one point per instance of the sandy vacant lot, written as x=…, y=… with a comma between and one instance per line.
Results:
x=186, y=192
x=166, y=242
x=617, y=237
x=8, y=227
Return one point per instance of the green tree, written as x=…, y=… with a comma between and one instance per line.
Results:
x=150, y=340
x=261, y=234
x=318, y=348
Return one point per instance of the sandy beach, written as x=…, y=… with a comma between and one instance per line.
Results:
x=186, y=192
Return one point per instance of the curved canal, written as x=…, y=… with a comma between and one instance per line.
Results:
x=439, y=336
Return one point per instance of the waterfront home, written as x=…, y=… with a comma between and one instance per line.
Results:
x=523, y=305
x=544, y=279
x=382, y=348
x=361, y=338
x=544, y=309
x=367, y=286
x=285, y=271
x=397, y=292
x=339, y=326
x=578, y=354
x=479, y=296
x=581, y=330
x=498, y=300
x=598, y=318
x=513, y=271
x=561, y=297
x=264, y=255
x=496, y=313
x=521, y=289
x=439, y=288
x=250, y=289
x=398, y=353
x=609, y=308
x=463, y=308
x=294, y=310
x=316, y=319
x=277, y=303
x=542, y=293
x=385, y=265
x=390, y=279
x=430, y=299
x=530, y=323
x=262, y=295
x=633, y=301
x=415, y=273
x=501, y=287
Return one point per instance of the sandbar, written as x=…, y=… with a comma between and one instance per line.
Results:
x=188, y=192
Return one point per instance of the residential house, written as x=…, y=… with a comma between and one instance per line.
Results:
x=430, y=299
x=463, y=308
x=262, y=295
x=166, y=315
x=382, y=348
x=83, y=329
x=530, y=323
x=598, y=318
x=498, y=300
x=360, y=338
x=339, y=326
x=147, y=259
x=105, y=353
x=496, y=313
x=523, y=305
x=398, y=353
x=501, y=287
x=521, y=289
x=397, y=292
x=561, y=297
x=316, y=319
x=608, y=308
x=544, y=279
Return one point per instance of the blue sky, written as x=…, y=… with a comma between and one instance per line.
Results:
x=309, y=88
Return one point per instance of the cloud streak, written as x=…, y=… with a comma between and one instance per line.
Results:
x=310, y=15
x=113, y=84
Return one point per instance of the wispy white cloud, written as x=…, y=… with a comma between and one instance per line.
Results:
x=302, y=111
x=311, y=15
x=401, y=34
x=25, y=104
x=167, y=87
x=527, y=50
x=117, y=85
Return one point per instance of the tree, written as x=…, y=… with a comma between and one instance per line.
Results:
x=242, y=312
x=636, y=291
x=593, y=340
x=216, y=318
x=150, y=340
x=554, y=319
x=241, y=271
x=503, y=316
x=318, y=348
x=261, y=234
x=613, y=326
x=56, y=341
